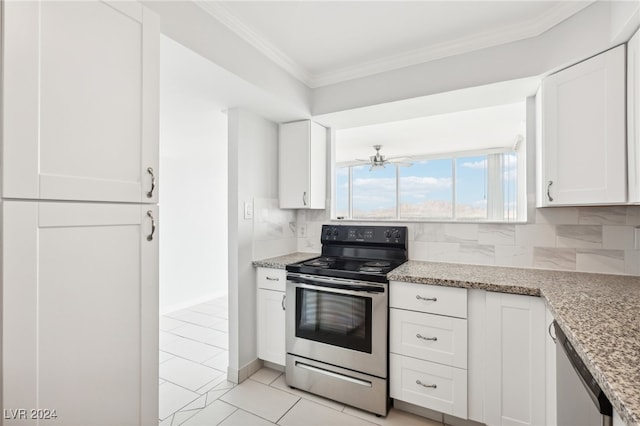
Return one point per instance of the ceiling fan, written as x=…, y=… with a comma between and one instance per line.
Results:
x=378, y=160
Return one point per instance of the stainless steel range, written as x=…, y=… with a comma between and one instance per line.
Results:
x=338, y=325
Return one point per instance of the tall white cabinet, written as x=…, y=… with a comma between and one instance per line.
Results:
x=80, y=96
x=79, y=219
x=80, y=311
x=583, y=141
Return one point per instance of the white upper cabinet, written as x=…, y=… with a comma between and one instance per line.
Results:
x=583, y=139
x=80, y=101
x=633, y=116
x=303, y=165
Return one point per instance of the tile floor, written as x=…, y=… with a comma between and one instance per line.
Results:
x=194, y=389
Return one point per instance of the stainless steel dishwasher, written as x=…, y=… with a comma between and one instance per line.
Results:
x=581, y=401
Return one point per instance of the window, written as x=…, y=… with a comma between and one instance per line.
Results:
x=483, y=183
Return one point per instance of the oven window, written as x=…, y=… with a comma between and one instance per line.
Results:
x=333, y=318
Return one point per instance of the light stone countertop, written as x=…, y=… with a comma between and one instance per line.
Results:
x=280, y=262
x=599, y=313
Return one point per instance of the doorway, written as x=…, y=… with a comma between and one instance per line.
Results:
x=193, y=175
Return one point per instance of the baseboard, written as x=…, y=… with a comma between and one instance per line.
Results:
x=433, y=415
x=418, y=411
x=273, y=366
x=239, y=376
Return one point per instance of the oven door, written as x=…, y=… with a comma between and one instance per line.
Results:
x=338, y=321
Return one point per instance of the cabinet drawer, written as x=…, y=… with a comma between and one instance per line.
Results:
x=429, y=337
x=428, y=298
x=272, y=279
x=411, y=380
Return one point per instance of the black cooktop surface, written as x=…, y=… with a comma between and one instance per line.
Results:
x=345, y=267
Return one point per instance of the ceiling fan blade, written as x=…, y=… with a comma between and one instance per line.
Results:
x=396, y=159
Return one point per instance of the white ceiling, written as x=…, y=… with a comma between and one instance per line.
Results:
x=325, y=42
x=483, y=128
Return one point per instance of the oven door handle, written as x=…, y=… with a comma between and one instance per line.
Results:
x=338, y=286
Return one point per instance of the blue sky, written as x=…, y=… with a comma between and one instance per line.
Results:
x=424, y=180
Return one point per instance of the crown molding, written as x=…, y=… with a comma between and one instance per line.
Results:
x=220, y=12
x=506, y=34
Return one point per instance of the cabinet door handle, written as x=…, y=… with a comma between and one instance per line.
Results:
x=428, y=299
x=304, y=198
x=284, y=306
x=273, y=279
x=153, y=182
x=549, y=190
x=420, y=336
x=418, y=382
x=551, y=335
x=153, y=225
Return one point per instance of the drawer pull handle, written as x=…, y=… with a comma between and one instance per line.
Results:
x=418, y=382
x=273, y=279
x=428, y=299
x=420, y=336
x=153, y=225
x=153, y=182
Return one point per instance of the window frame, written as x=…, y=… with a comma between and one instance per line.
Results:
x=494, y=186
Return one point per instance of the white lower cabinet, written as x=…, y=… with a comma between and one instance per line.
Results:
x=428, y=384
x=428, y=345
x=550, y=367
x=514, y=360
x=80, y=313
x=271, y=315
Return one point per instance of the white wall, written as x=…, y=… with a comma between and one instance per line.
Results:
x=193, y=182
x=581, y=36
x=253, y=178
x=273, y=92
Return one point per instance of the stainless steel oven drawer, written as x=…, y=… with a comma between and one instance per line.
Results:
x=349, y=387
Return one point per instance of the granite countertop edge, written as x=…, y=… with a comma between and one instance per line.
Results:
x=281, y=262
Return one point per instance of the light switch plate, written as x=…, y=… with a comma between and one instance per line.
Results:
x=248, y=210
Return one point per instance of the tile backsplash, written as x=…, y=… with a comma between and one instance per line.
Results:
x=587, y=239
x=274, y=230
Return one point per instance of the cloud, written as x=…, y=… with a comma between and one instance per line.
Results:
x=372, y=193
x=482, y=164
x=423, y=184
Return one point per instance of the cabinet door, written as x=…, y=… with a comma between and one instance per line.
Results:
x=294, y=165
x=80, y=97
x=514, y=360
x=303, y=158
x=583, y=140
x=550, y=367
x=271, y=326
x=80, y=312
x=633, y=116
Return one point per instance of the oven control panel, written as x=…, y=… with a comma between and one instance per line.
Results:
x=364, y=234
